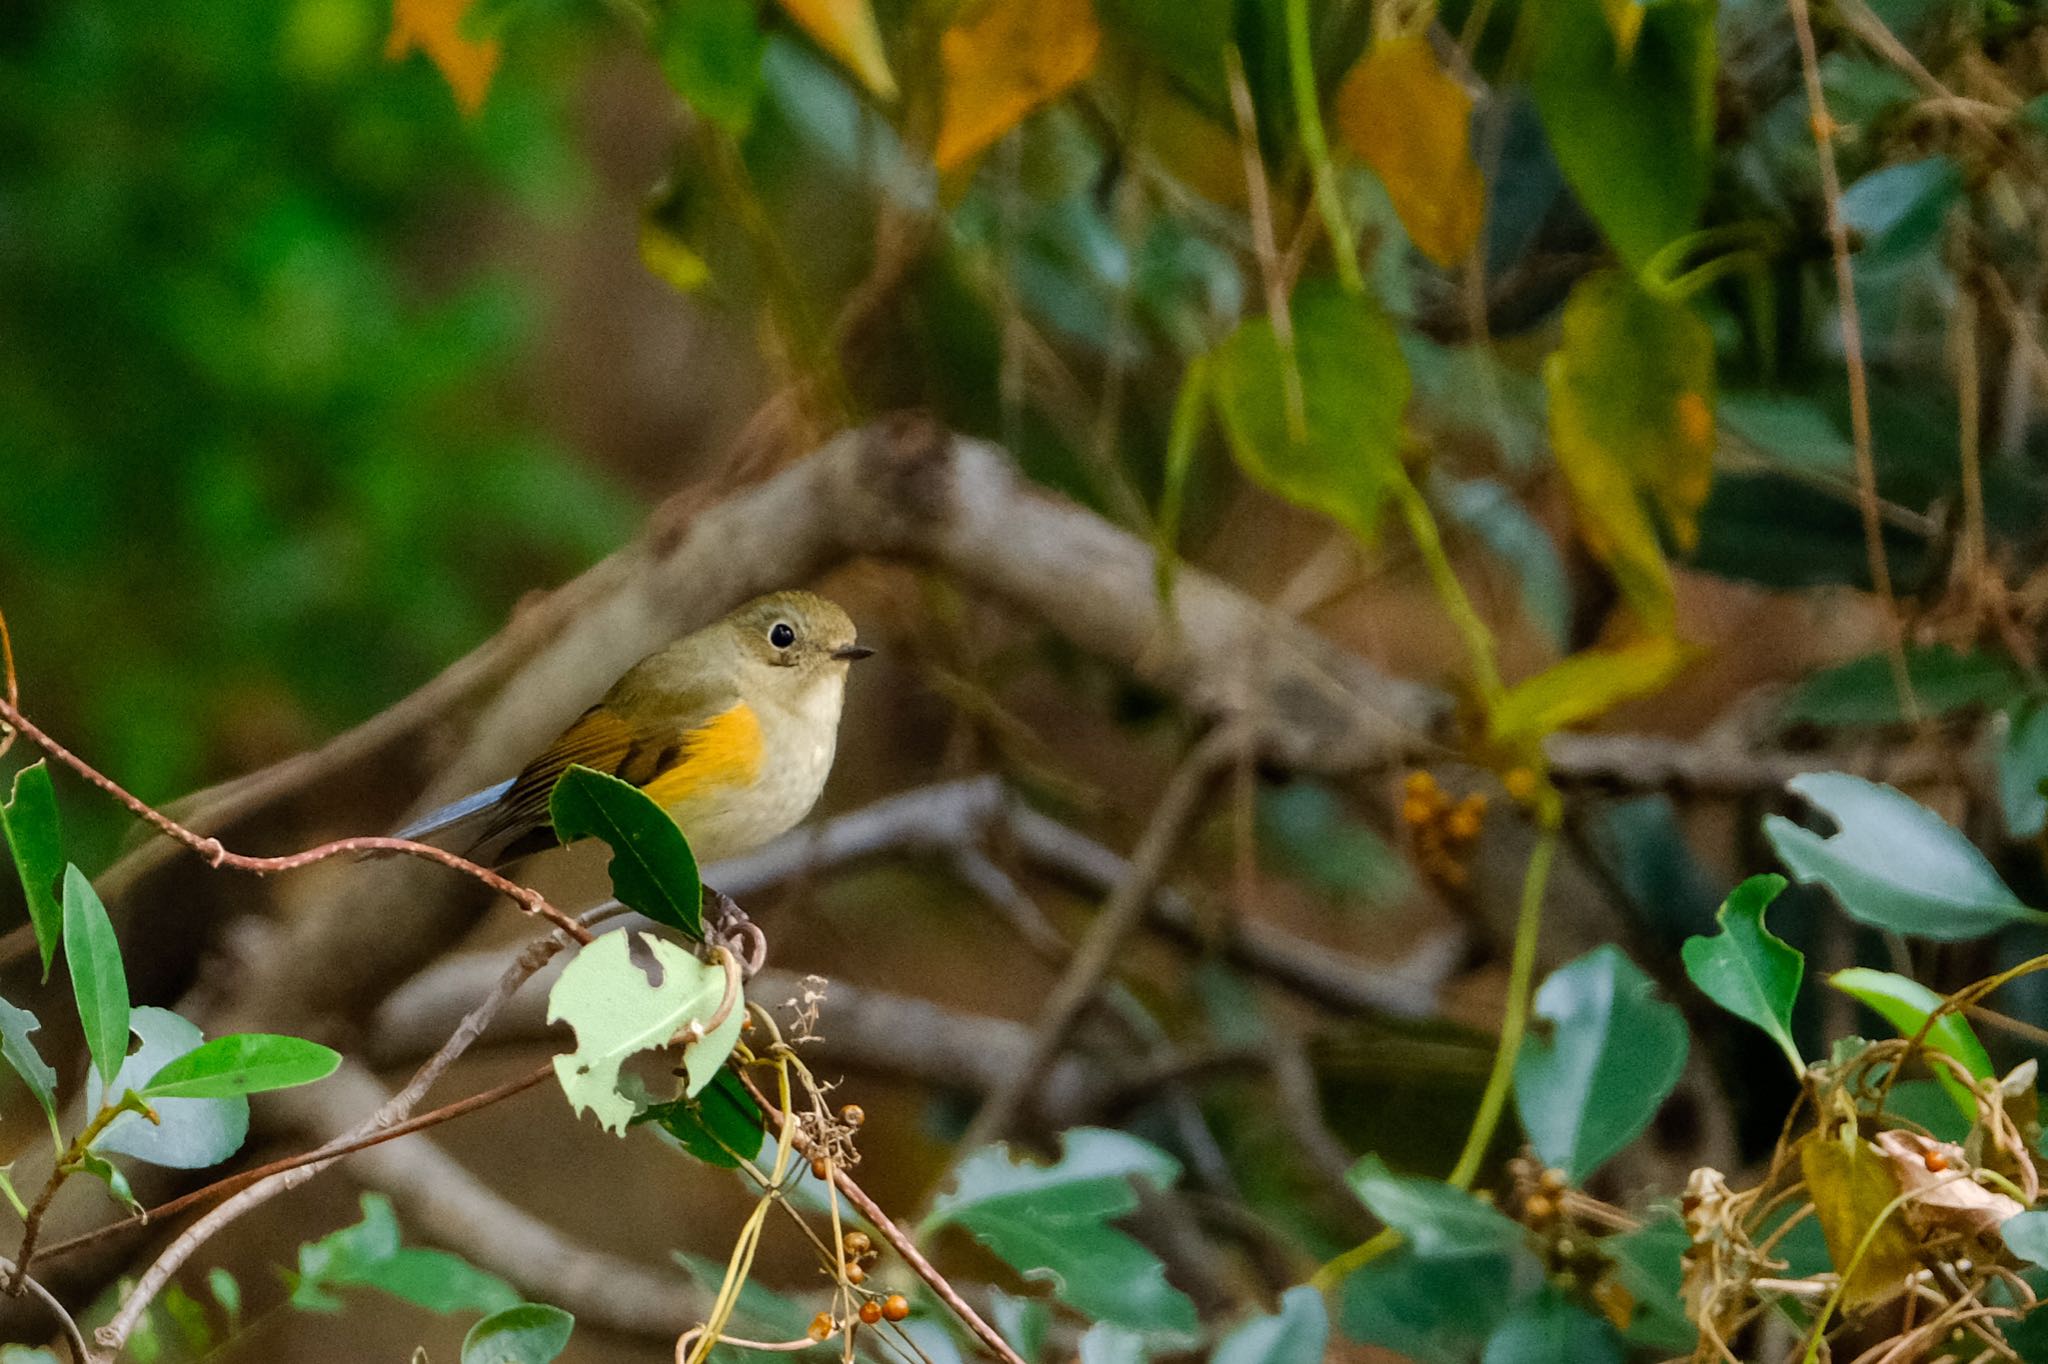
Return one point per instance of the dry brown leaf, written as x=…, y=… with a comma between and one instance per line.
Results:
x=847, y=30
x=1405, y=117
x=1005, y=59
x=435, y=27
x=1937, y=1174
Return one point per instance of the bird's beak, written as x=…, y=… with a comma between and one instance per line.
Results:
x=852, y=653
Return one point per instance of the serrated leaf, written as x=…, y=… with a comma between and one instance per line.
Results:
x=1906, y=1005
x=1052, y=1222
x=98, y=981
x=1437, y=1220
x=1587, y=685
x=847, y=30
x=1003, y=59
x=189, y=1134
x=34, y=836
x=2022, y=767
x=1353, y=386
x=530, y=1333
x=1632, y=131
x=620, y=1008
x=20, y=1053
x=1893, y=863
x=1850, y=1185
x=1632, y=424
x=1297, y=1334
x=652, y=868
x=243, y=1063
x=435, y=27
x=1613, y=1054
x=1748, y=970
x=719, y=1126
x=1403, y=115
x=711, y=53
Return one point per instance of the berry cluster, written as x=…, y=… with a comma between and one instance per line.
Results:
x=1443, y=829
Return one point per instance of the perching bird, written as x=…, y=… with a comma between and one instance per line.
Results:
x=730, y=729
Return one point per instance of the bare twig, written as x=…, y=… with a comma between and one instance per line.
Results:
x=81, y=1353
x=1177, y=808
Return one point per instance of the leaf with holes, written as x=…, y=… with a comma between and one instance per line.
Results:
x=1613, y=1054
x=621, y=1006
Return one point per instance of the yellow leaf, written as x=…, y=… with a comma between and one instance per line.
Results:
x=435, y=27
x=1625, y=21
x=1401, y=114
x=1632, y=425
x=1006, y=59
x=671, y=259
x=1586, y=684
x=1850, y=1185
x=847, y=30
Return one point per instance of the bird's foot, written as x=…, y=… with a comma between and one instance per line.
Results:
x=728, y=926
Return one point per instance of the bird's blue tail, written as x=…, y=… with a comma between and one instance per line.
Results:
x=455, y=812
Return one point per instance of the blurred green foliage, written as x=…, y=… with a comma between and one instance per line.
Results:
x=263, y=461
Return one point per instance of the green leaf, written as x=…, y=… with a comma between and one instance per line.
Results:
x=620, y=1007
x=1613, y=1054
x=1297, y=1334
x=29, y=821
x=189, y=1134
x=2026, y=1235
x=370, y=1255
x=1437, y=1220
x=1893, y=863
x=97, y=979
x=1861, y=691
x=711, y=53
x=718, y=1126
x=1906, y=1005
x=1898, y=211
x=1308, y=830
x=1052, y=1222
x=530, y=1333
x=1746, y=969
x=1633, y=133
x=652, y=868
x=1548, y=1329
x=1108, y=1343
x=1187, y=37
x=1353, y=384
x=1439, y=1311
x=100, y=1168
x=1632, y=425
x=243, y=1063
x=227, y=1292
x=21, y=1054
x=2022, y=766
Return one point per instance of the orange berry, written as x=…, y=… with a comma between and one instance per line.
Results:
x=896, y=1307
x=871, y=1311
x=822, y=1168
x=1935, y=1161
x=1420, y=784
x=1520, y=782
x=1462, y=824
x=1417, y=812
x=857, y=1243
x=855, y=1274
x=821, y=1326
x=853, y=1115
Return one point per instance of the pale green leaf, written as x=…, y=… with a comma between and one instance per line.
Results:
x=1297, y=1334
x=2022, y=766
x=21, y=1054
x=189, y=1134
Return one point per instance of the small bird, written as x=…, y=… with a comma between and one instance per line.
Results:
x=730, y=729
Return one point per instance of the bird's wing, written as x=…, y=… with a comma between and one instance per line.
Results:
x=636, y=751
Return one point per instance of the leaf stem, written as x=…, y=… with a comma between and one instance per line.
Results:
x=1308, y=115
x=1478, y=639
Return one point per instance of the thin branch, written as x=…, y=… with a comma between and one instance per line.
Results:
x=81, y=1353
x=1852, y=347
x=1177, y=808
x=532, y=901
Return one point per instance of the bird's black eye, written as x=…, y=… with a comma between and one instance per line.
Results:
x=781, y=634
